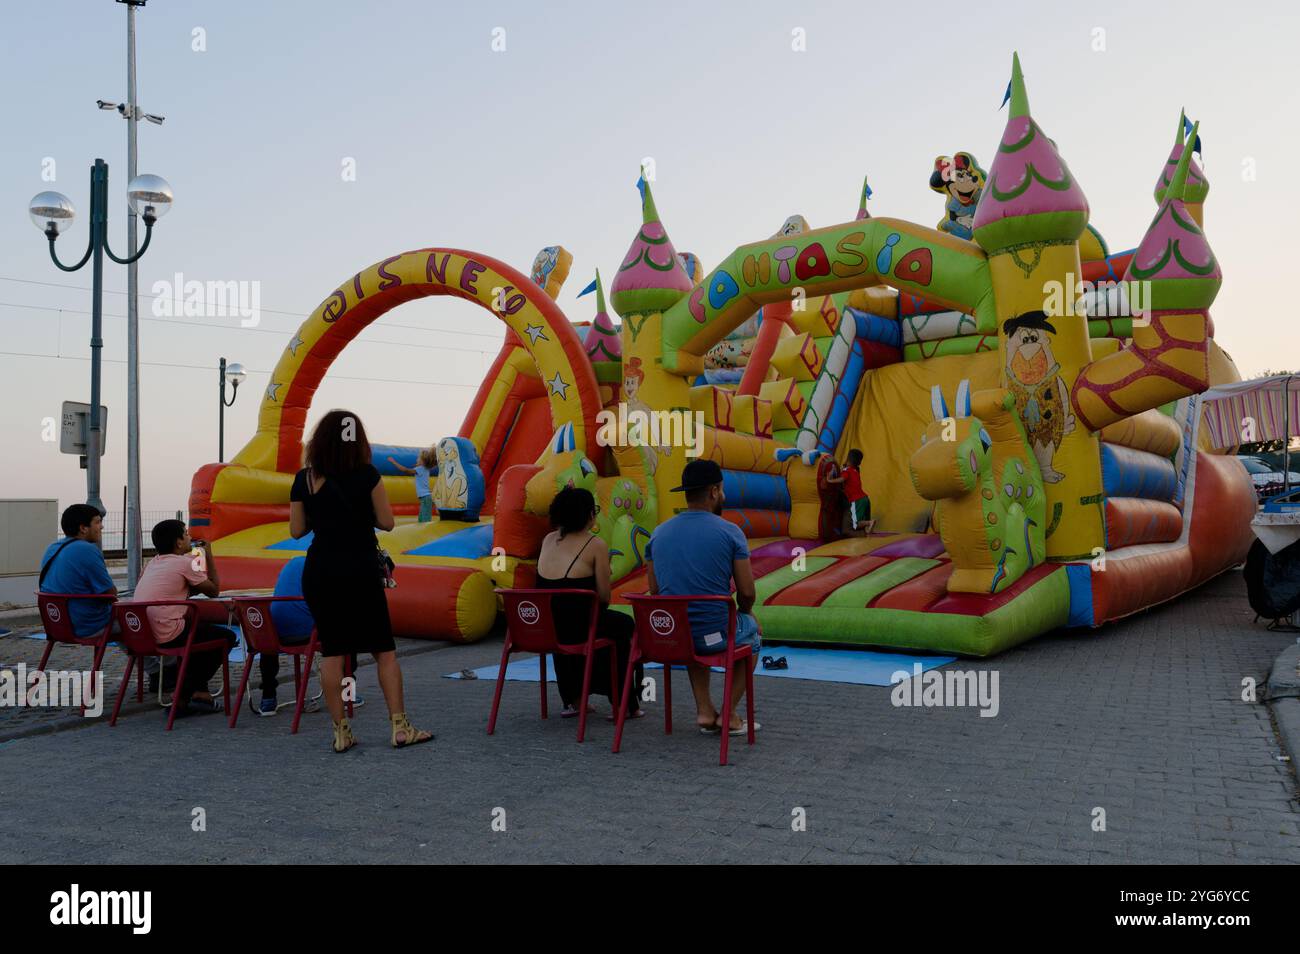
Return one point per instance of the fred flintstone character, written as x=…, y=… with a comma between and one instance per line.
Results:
x=1034, y=376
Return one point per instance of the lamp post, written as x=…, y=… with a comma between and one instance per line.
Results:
x=53, y=214
x=132, y=114
x=234, y=373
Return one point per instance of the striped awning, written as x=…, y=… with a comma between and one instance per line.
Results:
x=1248, y=411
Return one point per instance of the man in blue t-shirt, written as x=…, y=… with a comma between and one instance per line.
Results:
x=75, y=564
x=698, y=552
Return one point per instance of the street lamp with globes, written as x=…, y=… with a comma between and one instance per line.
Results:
x=234, y=373
x=53, y=213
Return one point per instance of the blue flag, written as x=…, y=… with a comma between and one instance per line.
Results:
x=640, y=186
x=1187, y=128
x=1007, y=95
x=589, y=289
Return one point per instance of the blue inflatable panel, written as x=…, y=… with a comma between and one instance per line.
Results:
x=1079, y=576
x=842, y=403
x=746, y=491
x=1126, y=472
x=874, y=328
x=379, y=454
x=292, y=544
x=856, y=667
x=470, y=544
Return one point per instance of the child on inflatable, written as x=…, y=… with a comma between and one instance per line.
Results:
x=858, y=520
x=425, y=466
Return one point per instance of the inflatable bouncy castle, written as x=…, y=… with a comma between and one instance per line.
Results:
x=1026, y=402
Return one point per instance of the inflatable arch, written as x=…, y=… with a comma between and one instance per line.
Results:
x=540, y=325
x=446, y=569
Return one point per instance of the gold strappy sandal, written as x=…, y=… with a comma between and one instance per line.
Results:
x=343, y=737
x=413, y=736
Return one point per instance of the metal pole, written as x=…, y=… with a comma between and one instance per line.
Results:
x=221, y=414
x=1286, y=435
x=133, y=546
x=124, y=516
x=98, y=230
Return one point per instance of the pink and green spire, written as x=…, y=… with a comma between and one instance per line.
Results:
x=1198, y=187
x=1174, y=256
x=603, y=342
x=651, y=277
x=863, y=196
x=1031, y=197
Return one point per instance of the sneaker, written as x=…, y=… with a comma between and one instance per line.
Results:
x=268, y=706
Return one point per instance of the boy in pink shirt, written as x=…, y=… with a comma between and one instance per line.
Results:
x=175, y=574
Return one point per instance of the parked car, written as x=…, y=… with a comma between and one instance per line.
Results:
x=1268, y=479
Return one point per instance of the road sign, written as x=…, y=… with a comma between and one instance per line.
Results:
x=74, y=436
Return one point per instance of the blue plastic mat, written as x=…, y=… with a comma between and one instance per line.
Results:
x=855, y=667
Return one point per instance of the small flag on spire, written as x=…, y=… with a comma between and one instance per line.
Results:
x=640, y=185
x=1196, y=146
x=589, y=289
x=1007, y=95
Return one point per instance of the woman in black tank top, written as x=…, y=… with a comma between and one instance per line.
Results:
x=572, y=544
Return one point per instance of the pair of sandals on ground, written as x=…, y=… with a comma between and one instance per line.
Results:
x=403, y=734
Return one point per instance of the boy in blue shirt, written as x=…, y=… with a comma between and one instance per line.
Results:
x=75, y=564
x=293, y=623
x=697, y=552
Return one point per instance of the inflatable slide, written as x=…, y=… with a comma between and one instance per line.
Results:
x=1026, y=402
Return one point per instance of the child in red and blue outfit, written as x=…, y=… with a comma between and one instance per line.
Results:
x=859, y=510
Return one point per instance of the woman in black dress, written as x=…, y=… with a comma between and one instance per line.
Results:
x=573, y=557
x=339, y=498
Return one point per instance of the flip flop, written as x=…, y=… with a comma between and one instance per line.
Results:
x=779, y=663
x=709, y=729
x=571, y=712
x=744, y=729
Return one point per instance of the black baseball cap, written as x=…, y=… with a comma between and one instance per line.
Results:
x=698, y=474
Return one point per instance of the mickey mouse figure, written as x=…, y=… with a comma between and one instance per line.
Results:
x=961, y=179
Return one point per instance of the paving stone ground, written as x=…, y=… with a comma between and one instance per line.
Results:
x=1143, y=719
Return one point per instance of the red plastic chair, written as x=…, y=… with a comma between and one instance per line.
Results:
x=137, y=638
x=663, y=635
x=56, y=617
x=260, y=636
x=530, y=628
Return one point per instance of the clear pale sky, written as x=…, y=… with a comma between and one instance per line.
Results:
x=506, y=152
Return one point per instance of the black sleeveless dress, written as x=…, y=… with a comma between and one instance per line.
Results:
x=341, y=581
x=570, y=614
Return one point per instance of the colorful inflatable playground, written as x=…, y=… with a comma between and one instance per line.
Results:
x=1026, y=401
